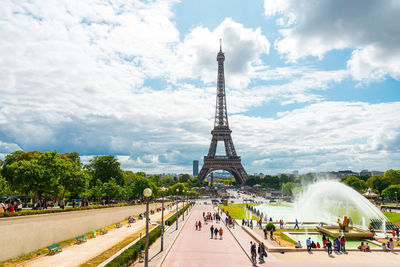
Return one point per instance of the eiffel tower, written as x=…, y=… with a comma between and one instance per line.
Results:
x=230, y=162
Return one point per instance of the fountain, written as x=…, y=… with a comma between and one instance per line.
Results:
x=326, y=201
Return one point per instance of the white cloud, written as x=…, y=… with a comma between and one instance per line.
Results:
x=74, y=75
x=370, y=27
x=322, y=136
x=196, y=55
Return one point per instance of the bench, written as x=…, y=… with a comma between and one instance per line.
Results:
x=80, y=239
x=54, y=248
x=103, y=232
x=118, y=225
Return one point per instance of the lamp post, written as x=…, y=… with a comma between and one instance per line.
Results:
x=187, y=202
x=177, y=191
x=163, y=189
x=183, y=213
x=147, y=193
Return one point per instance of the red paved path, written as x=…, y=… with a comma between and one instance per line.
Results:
x=195, y=248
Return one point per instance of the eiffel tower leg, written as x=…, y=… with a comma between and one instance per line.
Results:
x=202, y=174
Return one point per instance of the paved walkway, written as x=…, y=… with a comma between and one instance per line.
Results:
x=78, y=254
x=195, y=248
x=170, y=234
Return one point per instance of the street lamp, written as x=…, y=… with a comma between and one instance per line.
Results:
x=163, y=189
x=177, y=191
x=183, y=213
x=147, y=193
x=187, y=201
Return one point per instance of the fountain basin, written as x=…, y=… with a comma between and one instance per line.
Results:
x=359, y=234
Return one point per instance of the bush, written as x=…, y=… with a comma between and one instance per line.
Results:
x=172, y=219
x=131, y=254
x=270, y=226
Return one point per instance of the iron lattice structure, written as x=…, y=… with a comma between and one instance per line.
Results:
x=230, y=162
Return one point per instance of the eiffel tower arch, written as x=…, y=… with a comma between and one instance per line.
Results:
x=230, y=162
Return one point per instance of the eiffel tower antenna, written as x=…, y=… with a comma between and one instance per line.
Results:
x=230, y=162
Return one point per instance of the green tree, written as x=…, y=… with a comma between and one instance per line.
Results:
x=143, y=174
x=167, y=181
x=39, y=175
x=111, y=189
x=7, y=171
x=393, y=176
x=356, y=183
x=96, y=191
x=128, y=177
x=75, y=157
x=253, y=180
x=184, y=178
x=105, y=167
x=392, y=192
x=73, y=179
x=5, y=189
x=180, y=186
x=138, y=184
x=272, y=182
x=378, y=183
x=287, y=188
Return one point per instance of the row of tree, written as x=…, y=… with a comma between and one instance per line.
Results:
x=387, y=185
x=51, y=175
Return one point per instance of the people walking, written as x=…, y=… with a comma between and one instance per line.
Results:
x=216, y=231
x=343, y=244
x=220, y=233
x=253, y=253
x=329, y=246
x=296, y=225
x=308, y=243
x=260, y=254
x=324, y=240
x=212, y=231
x=197, y=225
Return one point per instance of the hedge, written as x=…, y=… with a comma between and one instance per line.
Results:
x=172, y=219
x=130, y=255
x=36, y=212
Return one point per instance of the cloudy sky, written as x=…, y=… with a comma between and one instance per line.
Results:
x=311, y=85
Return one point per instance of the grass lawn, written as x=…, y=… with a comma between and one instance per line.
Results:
x=284, y=240
x=237, y=211
x=393, y=217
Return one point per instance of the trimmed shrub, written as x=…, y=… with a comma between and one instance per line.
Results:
x=270, y=226
x=130, y=255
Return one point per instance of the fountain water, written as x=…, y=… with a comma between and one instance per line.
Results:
x=326, y=201
x=384, y=227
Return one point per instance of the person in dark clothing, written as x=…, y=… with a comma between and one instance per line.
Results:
x=216, y=231
x=212, y=231
x=329, y=246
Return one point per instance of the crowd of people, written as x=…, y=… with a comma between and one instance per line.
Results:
x=10, y=205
